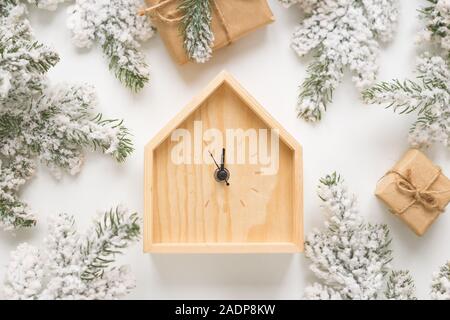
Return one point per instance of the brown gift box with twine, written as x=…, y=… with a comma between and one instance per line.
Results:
x=231, y=19
x=415, y=190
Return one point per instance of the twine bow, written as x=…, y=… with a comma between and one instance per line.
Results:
x=154, y=11
x=425, y=197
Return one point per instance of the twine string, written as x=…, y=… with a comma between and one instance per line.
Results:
x=425, y=196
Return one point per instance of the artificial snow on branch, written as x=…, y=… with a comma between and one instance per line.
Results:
x=39, y=123
x=46, y=4
x=23, y=60
x=437, y=19
x=429, y=95
x=75, y=266
x=349, y=256
x=340, y=34
x=306, y=6
x=400, y=286
x=440, y=286
x=117, y=27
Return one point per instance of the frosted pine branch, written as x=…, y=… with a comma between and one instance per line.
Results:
x=115, y=25
x=437, y=19
x=56, y=127
x=428, y=96
x=288, y=3
x=47, y=4
x=349, y=257
x=318, y=87
x=113, y=232
x=341, y=34
x=318, y=291
x=117, y=28
x=53, y=129
x=23, y=61
x=196, y=29
x=13, y=175
x=56, y=271
x=306, y=6
x=24, y=274
x=400, y=286
x=440, y=285
x=39, y=123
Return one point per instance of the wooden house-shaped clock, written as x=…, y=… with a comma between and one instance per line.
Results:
x=223, y=177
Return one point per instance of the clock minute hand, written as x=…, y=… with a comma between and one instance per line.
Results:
x=222, y=165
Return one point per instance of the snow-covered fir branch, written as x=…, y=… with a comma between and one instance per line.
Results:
x=429, y=95
x=46, y=4
x=437, y=19
x=196, y=29
x=23, y=60
x=117, y=28
x=39, y=123
x=400, y=286
x=440, y=285
x=349, y=256
x=57, y=126
x=75, y=266
x=306, y=6
x=340, y=34
x=112, y=232
x=14, y=173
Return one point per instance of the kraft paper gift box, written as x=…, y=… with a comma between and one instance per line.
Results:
x=231, y=20
x=415, y=190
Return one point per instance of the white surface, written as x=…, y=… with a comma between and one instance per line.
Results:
x=359, y=141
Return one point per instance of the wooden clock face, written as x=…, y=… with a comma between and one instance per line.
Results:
x=223, y=180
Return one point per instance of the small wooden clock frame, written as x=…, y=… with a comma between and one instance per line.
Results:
x=187, y=211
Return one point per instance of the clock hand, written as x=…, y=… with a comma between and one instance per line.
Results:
x=214, y=160
x=222, y=166
x=221, y=173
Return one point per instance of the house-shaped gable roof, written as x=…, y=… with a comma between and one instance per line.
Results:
x=224, y=78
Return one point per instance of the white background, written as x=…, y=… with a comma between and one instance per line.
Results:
x=359, y=141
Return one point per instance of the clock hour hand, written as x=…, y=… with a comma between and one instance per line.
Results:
x=214, y=160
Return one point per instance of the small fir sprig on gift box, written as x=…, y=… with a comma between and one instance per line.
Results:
x=39, y=123
x=340, y=34
x=117, y=28
x=75, y=266
x=428, y=96
x=195, y=27
x=349, y=256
